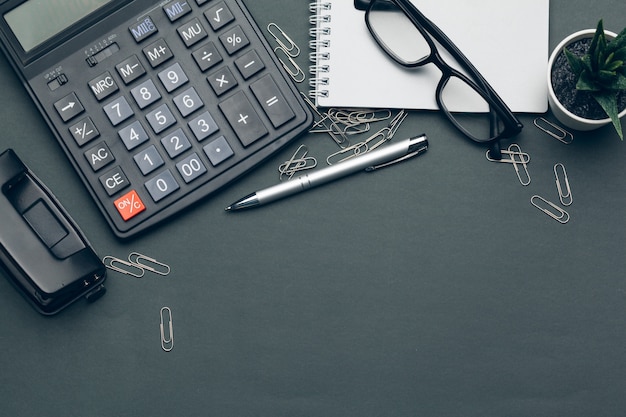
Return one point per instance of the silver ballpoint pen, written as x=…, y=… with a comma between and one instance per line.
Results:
x=378, y=158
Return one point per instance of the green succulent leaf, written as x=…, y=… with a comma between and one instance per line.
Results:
x=602, y=71
x=575, y=63
x=586, y=82
x=608, y=101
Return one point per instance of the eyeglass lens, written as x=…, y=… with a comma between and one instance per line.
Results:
x=402, y=40
x=397, y=33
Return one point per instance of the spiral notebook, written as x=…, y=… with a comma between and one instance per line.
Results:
x=506, y=41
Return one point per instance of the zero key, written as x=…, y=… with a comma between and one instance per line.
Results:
x=272, y=101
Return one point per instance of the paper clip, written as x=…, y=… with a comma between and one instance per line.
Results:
x=292, y=69
x=152, y=266
x=128, y=268
x=553, y=130
x=167, y=340
x=297, y=163
x=565, y=197
x=516, y=151
x=524, y=158
x=290, y=47
x=544, y=205
x=339, y=139
x=374, y=141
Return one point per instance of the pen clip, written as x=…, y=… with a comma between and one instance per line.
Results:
x=420, y=148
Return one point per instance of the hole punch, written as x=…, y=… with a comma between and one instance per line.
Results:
x=290, y=47
x=550, y=209
x=153, y=265
x=167, y=338
x=127, y=268
x=565, y=197
x=553, y=130
x=516, y=151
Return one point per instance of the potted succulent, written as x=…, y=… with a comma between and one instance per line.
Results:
x=587, y=79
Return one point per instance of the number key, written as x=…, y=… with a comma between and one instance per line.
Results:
x=162, y=185
x=148, y=160
x=145, y=94
x=188, y=102
x=118, y=110
x=175, y=143
x=161, y=118
x=173, y=77
x=191, y=168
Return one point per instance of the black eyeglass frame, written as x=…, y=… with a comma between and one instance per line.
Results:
x=511, y=125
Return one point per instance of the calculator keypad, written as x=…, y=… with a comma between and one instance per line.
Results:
x=181, y=101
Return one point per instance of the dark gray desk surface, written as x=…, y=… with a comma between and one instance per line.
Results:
x=430, y=289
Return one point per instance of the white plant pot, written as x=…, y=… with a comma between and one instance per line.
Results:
x=560, y=112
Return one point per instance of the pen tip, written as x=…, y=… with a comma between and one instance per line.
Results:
x=229, y=208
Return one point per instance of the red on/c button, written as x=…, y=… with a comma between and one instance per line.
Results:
x=129, y=205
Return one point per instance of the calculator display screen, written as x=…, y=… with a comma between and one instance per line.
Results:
x=35, y=21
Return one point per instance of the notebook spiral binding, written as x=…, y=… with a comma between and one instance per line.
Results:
x=319, y=20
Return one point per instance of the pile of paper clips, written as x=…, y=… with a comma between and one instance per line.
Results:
x=343, y=125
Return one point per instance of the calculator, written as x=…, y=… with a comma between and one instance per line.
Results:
x=157, y=104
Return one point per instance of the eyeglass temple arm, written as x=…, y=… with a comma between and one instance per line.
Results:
x=443, y=39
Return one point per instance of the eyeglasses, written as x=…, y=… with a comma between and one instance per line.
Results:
x=406, y=35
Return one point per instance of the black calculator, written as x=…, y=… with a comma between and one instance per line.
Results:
x=157, y=104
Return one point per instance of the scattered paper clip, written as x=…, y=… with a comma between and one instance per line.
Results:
x=515, y=151
x=374, y=141
x=553, y=130
x=339, y=139
x=524, y=158
x=167, y=338
x=550, y=209
x=565, y=194
x=299, y=161
x=152, y=265
x=285, y=42
x=128, y=268
x=290, y=66
x=136, y=265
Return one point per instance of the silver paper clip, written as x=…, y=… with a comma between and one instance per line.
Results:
x=290, y=66
x=152, y=265
x=374, y=141
x=285, y=42
x=297, y=163
x=550, y=209
x=524, y=158
x=565, y=194
x=127, y=268
x=553, y=130
x=167, y=338
x=340, y=140
x=516, y=151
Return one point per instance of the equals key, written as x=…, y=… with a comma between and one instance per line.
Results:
x=272, y=101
